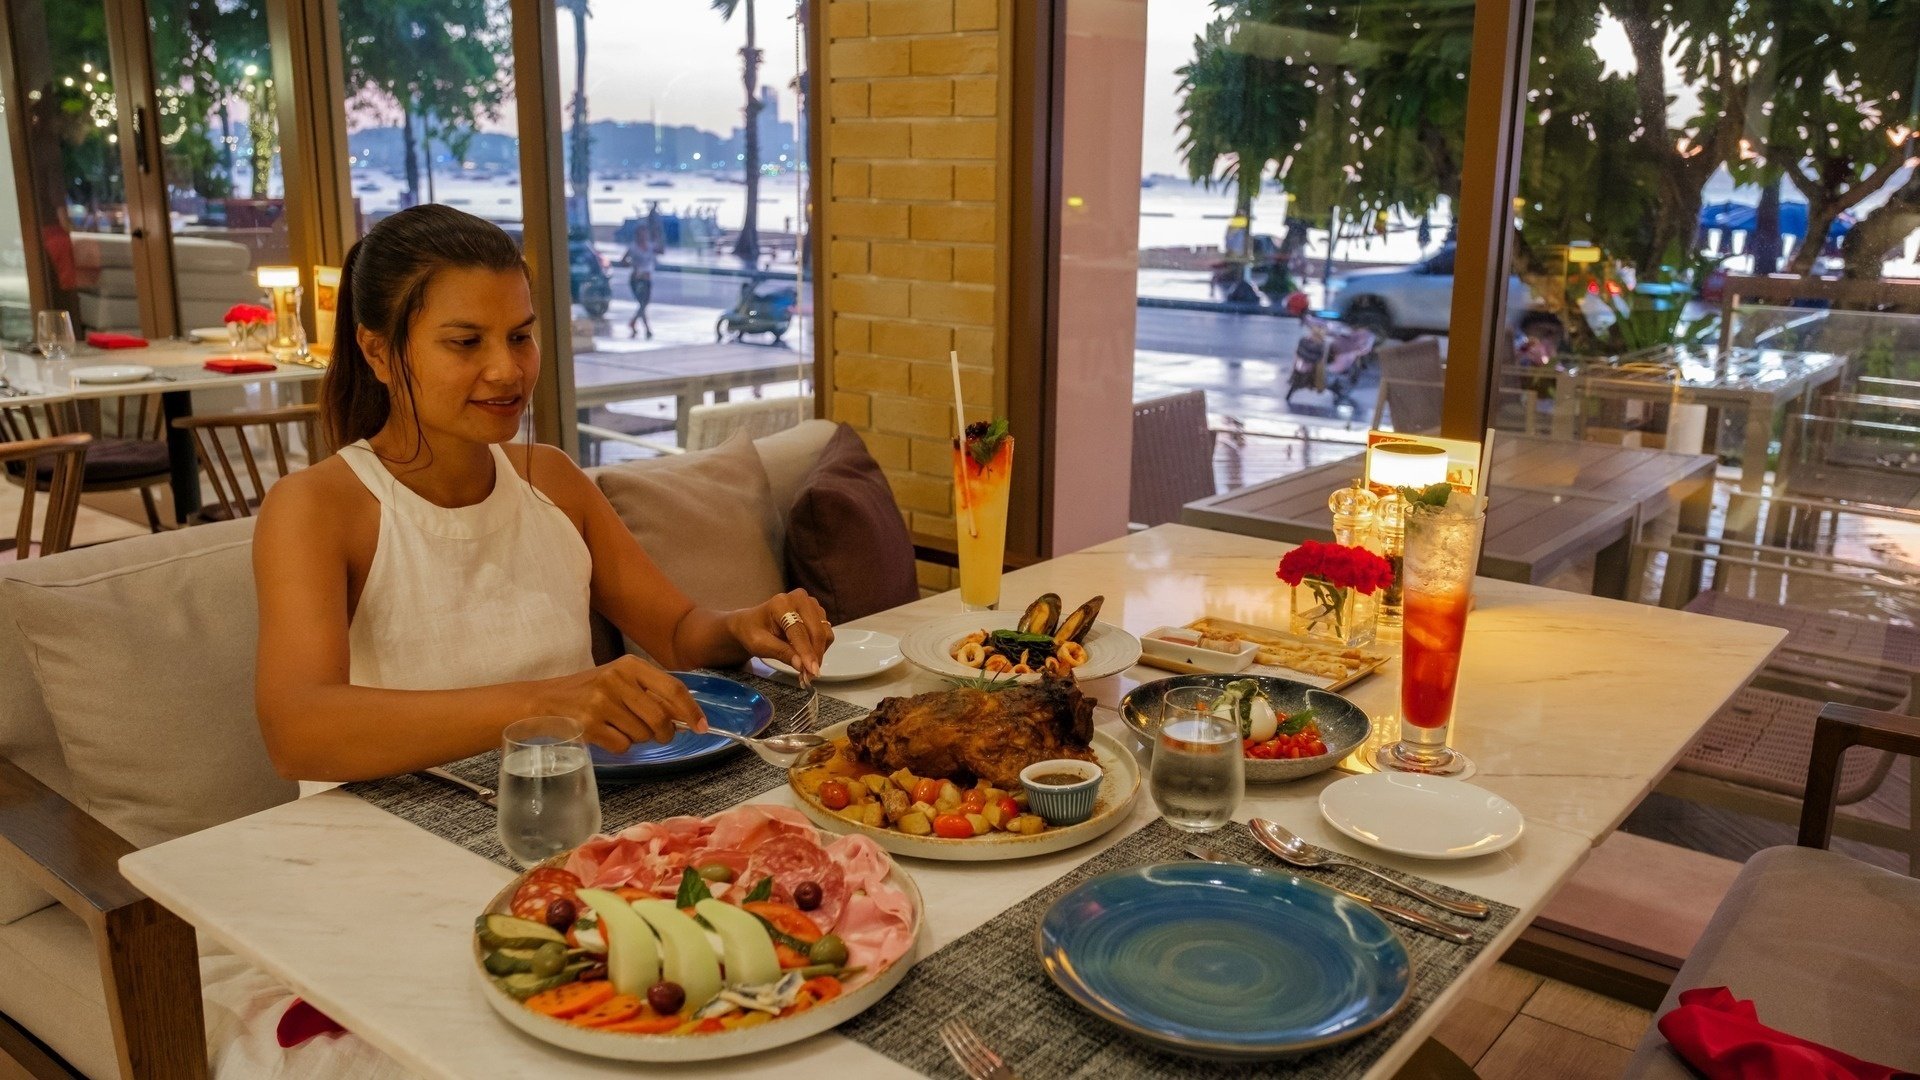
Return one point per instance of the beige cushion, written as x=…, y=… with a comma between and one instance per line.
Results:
x=147, y=671
x=27, y=737
x=789, y=456
x=707, y=518
x=1823, y=945
x=53, y=989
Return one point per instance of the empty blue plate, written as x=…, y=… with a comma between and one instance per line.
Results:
x=728, y=704
x=1225, y=961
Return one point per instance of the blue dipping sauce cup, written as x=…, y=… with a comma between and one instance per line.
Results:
x=1062, y=804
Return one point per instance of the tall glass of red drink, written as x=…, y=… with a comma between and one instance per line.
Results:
x=1442, y=549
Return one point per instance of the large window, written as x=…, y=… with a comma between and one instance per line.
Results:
x=684, y=141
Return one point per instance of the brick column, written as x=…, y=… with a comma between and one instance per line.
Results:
x=912, y=142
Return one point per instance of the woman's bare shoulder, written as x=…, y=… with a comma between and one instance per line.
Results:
x=325, y=500
x=553, y=474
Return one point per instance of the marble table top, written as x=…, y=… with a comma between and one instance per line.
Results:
x=1574, y=707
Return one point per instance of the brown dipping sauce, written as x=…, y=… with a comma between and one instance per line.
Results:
x=1061, y=779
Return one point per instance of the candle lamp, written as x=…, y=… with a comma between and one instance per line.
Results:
x=287, y=341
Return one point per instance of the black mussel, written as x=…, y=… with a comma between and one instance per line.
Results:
x=1042, y=616
x=1075, y=626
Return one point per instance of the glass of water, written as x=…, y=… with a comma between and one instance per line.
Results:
x=548, y=800
x=1198, y=773
x=53, y=332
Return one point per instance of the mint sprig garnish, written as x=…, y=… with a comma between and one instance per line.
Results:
x=1431, y=495
x=984, y=439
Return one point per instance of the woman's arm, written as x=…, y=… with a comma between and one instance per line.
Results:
x=318, y=726
x=630, y=589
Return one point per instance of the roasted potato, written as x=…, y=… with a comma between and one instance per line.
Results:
x=894, y=803
x=904, y=779
x=914, y=823
x=1027, y=824
x=876, y=783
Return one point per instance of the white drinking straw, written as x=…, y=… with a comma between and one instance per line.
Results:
x=1483, y=480
x=960, y=429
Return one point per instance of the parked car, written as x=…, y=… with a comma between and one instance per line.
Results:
x=1418, y=299
x=587, y=276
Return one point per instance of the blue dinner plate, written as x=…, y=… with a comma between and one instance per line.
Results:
x=1225, y=961
x=729, y=705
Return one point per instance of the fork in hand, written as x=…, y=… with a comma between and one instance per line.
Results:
x=973, y=1055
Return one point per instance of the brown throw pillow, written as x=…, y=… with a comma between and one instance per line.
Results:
x=846, y=544
x=707, y=518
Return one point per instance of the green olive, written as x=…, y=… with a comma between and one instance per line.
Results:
x=548, y=959
x=828, y=950
x=714, y=871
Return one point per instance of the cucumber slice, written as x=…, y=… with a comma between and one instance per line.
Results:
x=525, y=984
x=686, y=958
x=751, y=960
x=509, y=961
x=633, y=960
x=507, y=932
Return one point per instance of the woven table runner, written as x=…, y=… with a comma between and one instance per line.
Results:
x=992, y=979
x=453, y=814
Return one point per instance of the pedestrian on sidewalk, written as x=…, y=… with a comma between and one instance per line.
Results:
x=641, y=259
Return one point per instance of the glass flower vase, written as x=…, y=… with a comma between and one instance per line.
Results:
x=1326, y=612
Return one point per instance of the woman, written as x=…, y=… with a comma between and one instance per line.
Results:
x=641, y=261
x=429, y=584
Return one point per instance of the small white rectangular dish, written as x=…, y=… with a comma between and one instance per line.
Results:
x=1166, y=646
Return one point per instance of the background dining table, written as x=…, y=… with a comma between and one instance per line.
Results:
x=179, y=370
x=1572, y=706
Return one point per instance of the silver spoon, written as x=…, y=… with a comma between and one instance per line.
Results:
x=1291, y=849
x=779, y=750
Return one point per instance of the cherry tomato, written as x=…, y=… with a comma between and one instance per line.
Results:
x=834, y=796
x=1008, y=809
x=953, y=826
x=973, y=800
x=927, y=791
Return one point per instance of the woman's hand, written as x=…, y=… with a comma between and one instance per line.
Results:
x=623, y=702
x=773, y=632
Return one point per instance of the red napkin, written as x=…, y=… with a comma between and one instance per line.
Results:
x=301, y=1022
x=103, y=339
x=234, y=365
x=1724, y=1040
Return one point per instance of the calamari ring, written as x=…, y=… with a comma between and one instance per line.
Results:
x=1055, y=666
x=1022, y=669
x=1073, y=654
x=997, y=663
x=971, y=654
x=975, y=638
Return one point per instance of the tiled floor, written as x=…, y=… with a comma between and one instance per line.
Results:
x=1515, y=1025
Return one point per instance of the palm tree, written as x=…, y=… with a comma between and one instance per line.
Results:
x=747, y=246
x=578, y=162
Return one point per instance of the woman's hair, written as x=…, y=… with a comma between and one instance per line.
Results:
x=382, y=286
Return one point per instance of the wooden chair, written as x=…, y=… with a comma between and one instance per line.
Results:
x=129, y=450
x=1172, y=457
x=1412, y=385
x=213, y=434
x=66, y=457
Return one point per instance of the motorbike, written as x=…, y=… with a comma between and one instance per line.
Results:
x=765, y=306
x=1329, y=359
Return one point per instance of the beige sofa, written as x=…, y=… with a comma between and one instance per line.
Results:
x=210, y=276
x=126, y=718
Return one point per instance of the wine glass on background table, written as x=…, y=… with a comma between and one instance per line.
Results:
x=1442, y=550
x=53, y=333
x=549, y=802
x=1198, y=772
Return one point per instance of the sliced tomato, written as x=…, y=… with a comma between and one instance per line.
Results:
x=822, y=987
x=630, y=893
x=570, y=1000
x=647, y=1022
x=787, y=919
x=790, y=958
x=617, y=1009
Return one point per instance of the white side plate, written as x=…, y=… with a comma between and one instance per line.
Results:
x=1427, y=817
x=112, y=373
x=854, y=654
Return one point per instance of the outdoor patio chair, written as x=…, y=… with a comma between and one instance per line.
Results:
x=710, y=425
x=1172, y=457
x=213, y=435
x=1629, y=401
x=1412, y=385
x=1844, y=978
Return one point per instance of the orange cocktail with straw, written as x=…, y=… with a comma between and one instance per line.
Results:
x=982, y=478
x=1442, y=551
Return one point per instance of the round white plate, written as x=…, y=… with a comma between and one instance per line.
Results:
x=623, y=1046
x=1119, y=786
x=1110, y=650
x=210, y=335
x=854, y=654
x=112, y=373
x=1427, y=817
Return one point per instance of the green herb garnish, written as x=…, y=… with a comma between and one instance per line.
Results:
x=762, y=891
x=986, y=680
x=984, y=439
x=1431, y=495
x=1297, y=723
x=1016, y=638
x=693, y=889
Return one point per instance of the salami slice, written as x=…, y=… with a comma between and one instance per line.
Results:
x=791, y=860
x=542, y=887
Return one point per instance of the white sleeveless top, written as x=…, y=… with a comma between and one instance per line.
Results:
x=469, y=596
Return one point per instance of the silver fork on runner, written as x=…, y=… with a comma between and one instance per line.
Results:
x=972, y=1054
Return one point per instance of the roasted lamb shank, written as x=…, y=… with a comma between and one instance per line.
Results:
x=963, y=733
